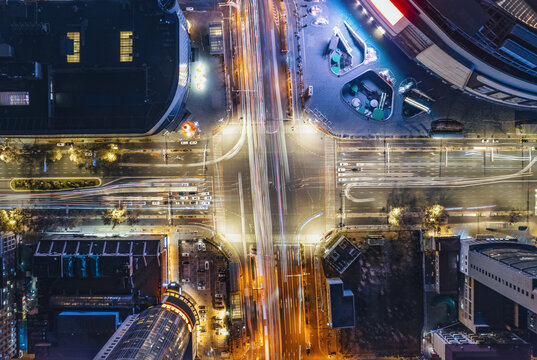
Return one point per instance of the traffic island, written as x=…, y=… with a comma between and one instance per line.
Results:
x=370, y=94
x=51, y=184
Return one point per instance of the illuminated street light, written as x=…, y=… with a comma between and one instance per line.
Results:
x=394, y=217
x=111, y=157
x=200, y=77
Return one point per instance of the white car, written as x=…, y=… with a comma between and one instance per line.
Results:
x=60, y=144
x=193, y=142
x=205, y=193
x=195, y=197
x=183, y=197
x=341, y=170
x=89, y=153
x=343, y=164
x=206, y=203
x=208, y=198
x=155, y=202
x=184, y=142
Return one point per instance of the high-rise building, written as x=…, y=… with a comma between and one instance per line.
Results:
x=8, y=300
x=92, y=67
x=500, y=283
x=88, y=286
x=486, y=48
x=160, y=332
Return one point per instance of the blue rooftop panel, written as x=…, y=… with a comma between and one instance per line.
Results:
x=520, y=53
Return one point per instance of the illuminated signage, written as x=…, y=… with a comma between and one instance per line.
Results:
x=180, y=312
x=388, y=10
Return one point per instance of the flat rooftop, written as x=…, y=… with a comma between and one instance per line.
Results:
x=341, y=305
x=342, y=254
x=87, y=67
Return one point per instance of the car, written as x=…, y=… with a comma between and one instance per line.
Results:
x=193, y=142
x=195, y=197
x=206, y=265
x=343, y=164
x=206, y=203
x=205, y=193
x=155, y=202
x=179, y=203
x=202, y=246
x=189, y=8
x=341, y=169
x=203, y=311
x=208, y=197
x=201, y=307
x=60, y=144
x=184, y=142
x=356, y=169
x=218, y=296
x=89, y=153
x=183, y=197
x=310, y=90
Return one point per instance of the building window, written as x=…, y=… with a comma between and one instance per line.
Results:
x=14, y=98
x=125, y=46
x=75, y=57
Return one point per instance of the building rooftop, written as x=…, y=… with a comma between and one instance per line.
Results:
x=456, y=343
x=461, y=336
x=341, y=305
x=160, y=332
x=143, y=245
x=342, y=254
x=519, y=256
x=467, y=15
x=83, y=67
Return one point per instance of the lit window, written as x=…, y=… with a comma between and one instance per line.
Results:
x=125, y=46
x=388, y=10
x=75, y=57
x=14, y=98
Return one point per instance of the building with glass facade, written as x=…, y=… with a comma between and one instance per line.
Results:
x=164, y=331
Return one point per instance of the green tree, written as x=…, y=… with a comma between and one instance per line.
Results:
x=114, y=216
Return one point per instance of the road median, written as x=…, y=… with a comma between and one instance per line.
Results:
x=53, y=184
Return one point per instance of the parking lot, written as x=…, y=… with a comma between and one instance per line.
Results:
x=204, y=274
